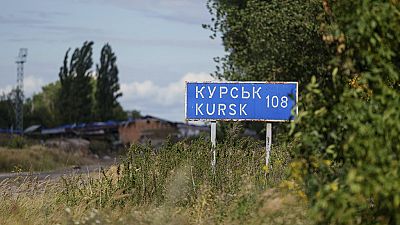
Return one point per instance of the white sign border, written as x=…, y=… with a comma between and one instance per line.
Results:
x=241, y=82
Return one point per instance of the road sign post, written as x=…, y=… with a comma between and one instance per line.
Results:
x=213, y=144
x=241, y=101
x=268, y=144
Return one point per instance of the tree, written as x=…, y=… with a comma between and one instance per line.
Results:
x=107, y=86
x=76, y=90
x=269, y=40
x=7, y=114
x=64, y=103
x=348, y=136
x=42, y=107
x=346, y=54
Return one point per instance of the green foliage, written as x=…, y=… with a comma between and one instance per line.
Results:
x=176, y=173
x=173, y=184
x=107, y=86
x=76, y=100
x=66, y=79
x=42, y=107
x=17, y=142
x=7, y=114
x=269, y=40
x=28, y=200
x=349, y=148
x=133, y=114
x=100, y=147
x=76, y=97
x=83, y=98
x=119, y=113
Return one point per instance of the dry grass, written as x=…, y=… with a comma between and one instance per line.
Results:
x=38, y=158
x=172, y=185
x=33, y=201
x=29, y=201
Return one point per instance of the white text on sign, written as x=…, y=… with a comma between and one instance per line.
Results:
x=234, y=92
x=260, y=101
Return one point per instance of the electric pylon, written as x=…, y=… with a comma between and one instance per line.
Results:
x=19, y=95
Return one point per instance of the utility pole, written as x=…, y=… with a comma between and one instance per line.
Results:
x=19, y=98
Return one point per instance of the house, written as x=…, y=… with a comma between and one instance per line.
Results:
x=33, y=131
x=140, y=130
x=147, y=128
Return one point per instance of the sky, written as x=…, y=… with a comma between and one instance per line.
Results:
x=159, y=45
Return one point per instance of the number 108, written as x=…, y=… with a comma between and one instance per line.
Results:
x=274, y=101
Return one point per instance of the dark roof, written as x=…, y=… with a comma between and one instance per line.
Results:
x=156, y=118
x=10, y=131
x=125, y=123
x=82, y=127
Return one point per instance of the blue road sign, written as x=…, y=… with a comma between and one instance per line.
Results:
x=258, y=101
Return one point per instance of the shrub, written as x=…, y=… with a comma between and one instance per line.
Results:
x=17, y=142
x=348, y=152
x=100, y=148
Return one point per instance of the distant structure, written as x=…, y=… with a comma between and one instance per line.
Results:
x=19, y=95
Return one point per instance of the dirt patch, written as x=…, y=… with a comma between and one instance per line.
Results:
x=76, y=146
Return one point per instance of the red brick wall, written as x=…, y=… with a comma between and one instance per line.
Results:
x=132, y=132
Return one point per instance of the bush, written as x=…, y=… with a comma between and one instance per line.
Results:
x=100, y=148
x=17, y=142
x=348, y=152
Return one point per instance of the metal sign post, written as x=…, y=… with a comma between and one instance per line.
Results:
x=268, y=143
x=213, y=144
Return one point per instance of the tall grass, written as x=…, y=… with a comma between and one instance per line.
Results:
x=146, y=173
x=179, y=176
x=174, y=184
x=37, y=158
x=29, y=200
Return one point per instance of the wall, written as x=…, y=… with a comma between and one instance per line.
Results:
x=138, y=130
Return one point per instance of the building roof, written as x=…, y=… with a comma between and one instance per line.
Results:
x=10, y=131
x=32, y=129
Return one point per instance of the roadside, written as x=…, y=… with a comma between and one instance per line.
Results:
x=52, y=161
x=72, y=170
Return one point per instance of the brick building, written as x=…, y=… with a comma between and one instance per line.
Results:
x=145, y=129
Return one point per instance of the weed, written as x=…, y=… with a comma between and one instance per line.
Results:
x=174, y=174
x=17, y=142
x=173, y=184
x=37, y=158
